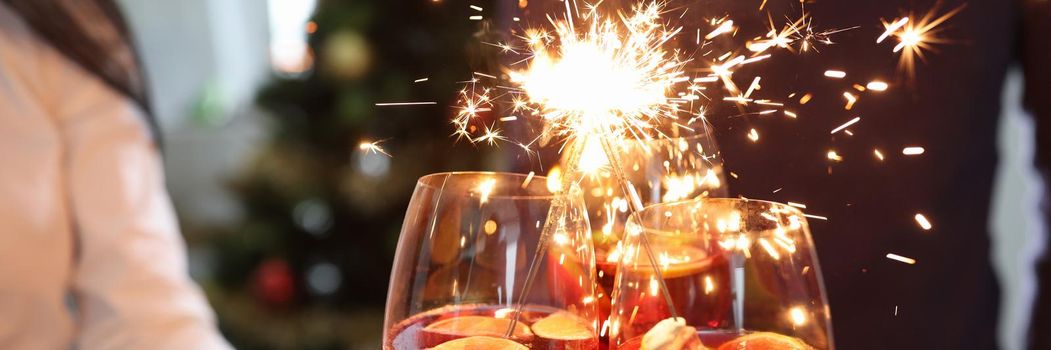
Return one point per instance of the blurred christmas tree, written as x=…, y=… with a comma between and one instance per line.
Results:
x=321, y=215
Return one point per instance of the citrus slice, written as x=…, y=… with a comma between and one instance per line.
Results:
x=765, y=341
x=563, y=331
x=677, y=261
x=468, y=326
x=480, y=343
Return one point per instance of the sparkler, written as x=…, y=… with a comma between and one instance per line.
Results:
x=608, y=82
x=610, y=78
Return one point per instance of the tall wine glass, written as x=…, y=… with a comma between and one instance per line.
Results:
x=683, y=165
x=743, y=273
x=465, y=249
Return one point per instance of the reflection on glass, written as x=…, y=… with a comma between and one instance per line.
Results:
x=464, y=251
x=739, y=272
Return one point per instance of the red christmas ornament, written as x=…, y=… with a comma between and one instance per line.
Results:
x=273, y=283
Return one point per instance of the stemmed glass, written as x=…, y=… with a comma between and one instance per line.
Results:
x=466, y=245
x=742, y=274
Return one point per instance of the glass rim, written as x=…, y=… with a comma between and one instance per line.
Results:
x=636, y=216
x=425, y=182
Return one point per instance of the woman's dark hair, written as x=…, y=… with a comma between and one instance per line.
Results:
x=94, y=35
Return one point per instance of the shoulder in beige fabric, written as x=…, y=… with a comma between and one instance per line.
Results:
x=90, y=252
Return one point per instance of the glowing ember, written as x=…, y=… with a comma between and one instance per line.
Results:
x=846, y=125
x=912, y=151
x=877, y=85
x=837, y=74
x=833, y=156
x=900, y=258
x=923, y=222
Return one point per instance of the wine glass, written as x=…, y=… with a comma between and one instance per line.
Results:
x=742, y=273
x=685, y=164
x=467, y=246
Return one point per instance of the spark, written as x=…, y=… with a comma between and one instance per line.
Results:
x=891, y=28
x=818, y=217
x=476, y=8
x=528, y=179
x=475, y=18
x=851, y=99
x=916, y=36
x=725, y=26
x=420, y=80
x=374, y=147
x=806, y=98
x=837, y=74
x=877, y=85
x=490, y=136
x=382, y=104
x=879, y=155
x=846, y=125
x=753, y=135
x=791, y=114
x=797, y=205
x=774, y=38
x=913, y=151
x=900, y=258
x=800, y=32
x=833, y=156
x=923, y=222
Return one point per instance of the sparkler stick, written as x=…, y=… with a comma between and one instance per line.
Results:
x=636, y=206
x=555, y=217
x=557, y=212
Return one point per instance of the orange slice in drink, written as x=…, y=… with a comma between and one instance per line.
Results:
x=563, y=331
x=765, y=341
x=480, y=343
x=676, y=261
x=469, y=326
